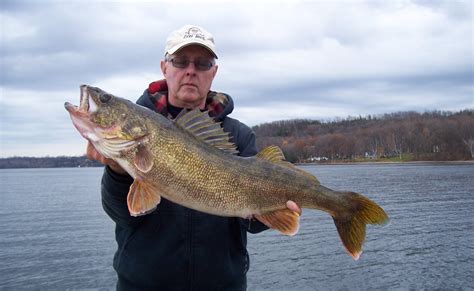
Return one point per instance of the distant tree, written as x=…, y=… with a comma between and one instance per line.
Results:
x=47, y=162
x=433, y=135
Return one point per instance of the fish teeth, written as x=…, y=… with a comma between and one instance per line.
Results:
x=84, y=106
x=92, y=105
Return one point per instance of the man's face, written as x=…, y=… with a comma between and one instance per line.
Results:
x=188, y=87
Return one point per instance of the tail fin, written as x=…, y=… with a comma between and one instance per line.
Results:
x=351, y=227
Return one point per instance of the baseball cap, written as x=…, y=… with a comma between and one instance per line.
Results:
x=188, y=35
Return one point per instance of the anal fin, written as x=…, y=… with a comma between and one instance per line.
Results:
x=284, y=220
x=142, y=198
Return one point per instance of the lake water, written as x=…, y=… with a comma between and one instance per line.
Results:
x=55, y=235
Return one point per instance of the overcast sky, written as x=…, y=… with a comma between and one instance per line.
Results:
x=278, y=60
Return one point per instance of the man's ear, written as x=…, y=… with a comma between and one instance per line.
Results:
x=215, y=71
x=163, y=67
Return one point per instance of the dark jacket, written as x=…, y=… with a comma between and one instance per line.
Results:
x=176, y=248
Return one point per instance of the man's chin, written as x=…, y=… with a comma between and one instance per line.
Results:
x=190, y=101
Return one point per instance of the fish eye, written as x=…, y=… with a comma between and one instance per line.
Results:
x=104, y=98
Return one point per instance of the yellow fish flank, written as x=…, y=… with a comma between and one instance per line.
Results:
x=190, y=161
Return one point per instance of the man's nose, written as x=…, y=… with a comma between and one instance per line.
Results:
x=191, y=69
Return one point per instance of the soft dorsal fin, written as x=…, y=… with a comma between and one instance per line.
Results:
x=204, y=128
x=275, y=155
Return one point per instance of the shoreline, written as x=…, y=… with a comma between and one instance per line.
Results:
x=83, y=162
x=468, y=162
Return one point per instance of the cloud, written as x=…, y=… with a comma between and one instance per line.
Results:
x=297, y=59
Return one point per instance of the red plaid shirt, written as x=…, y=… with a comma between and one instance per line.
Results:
x=215, y=102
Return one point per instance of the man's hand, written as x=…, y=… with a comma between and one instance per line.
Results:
x=93, y=154
x=293, y=207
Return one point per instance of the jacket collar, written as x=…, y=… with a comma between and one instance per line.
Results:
x=219, y=105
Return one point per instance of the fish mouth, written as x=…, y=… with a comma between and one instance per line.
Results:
x=81, y=116
x=86, y=105
x=108, y=139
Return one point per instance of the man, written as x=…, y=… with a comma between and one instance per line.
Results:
x=176, y=248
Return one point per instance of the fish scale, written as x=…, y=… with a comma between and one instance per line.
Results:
x=191, y=162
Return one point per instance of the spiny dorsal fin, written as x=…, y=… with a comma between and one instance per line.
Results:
x=204, y=128
x=275, y=155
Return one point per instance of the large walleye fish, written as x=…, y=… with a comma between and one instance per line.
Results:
x=190, y=161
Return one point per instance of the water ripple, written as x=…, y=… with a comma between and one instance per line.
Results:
x=54, y=234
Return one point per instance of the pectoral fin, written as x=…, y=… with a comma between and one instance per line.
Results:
x=143, y=159
x=142, y=198
x=284, y=220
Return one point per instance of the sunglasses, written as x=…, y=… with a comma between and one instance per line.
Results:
x=199, y=64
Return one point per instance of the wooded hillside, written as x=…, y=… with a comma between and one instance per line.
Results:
x=402, y=136
x=47, y=162
x=436, y=135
